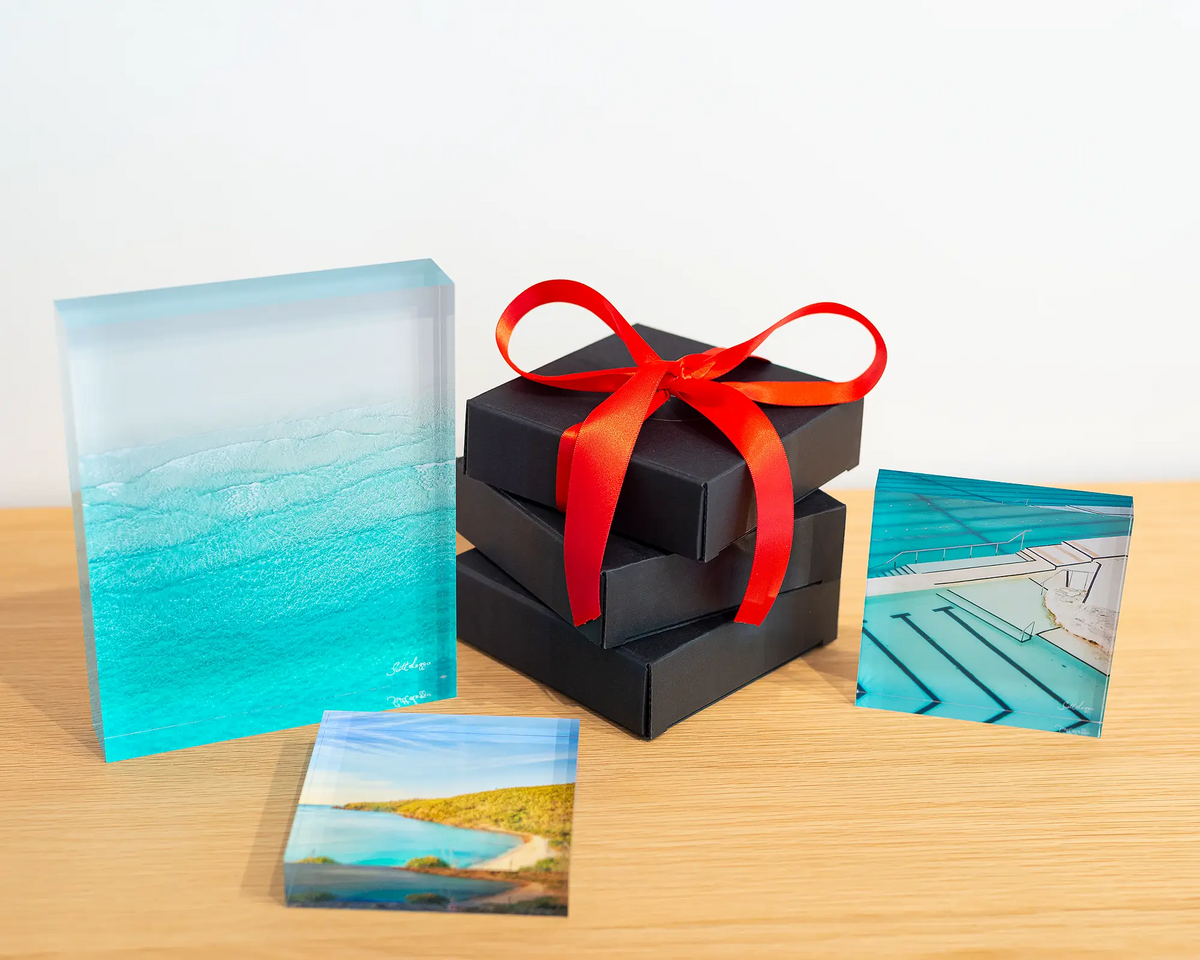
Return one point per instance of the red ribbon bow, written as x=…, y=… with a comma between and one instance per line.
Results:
x=594, y=455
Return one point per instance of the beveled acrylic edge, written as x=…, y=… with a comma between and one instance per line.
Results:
x=892, y=481
x=234, y=294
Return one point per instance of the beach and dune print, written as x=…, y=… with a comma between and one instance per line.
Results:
x=994, y=602
x=263, y=481
x=407, y=811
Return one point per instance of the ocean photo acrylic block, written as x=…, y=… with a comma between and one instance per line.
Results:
x=408, y=811
x=994, y=602
x=262, y=475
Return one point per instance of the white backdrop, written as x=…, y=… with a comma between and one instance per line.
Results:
x=1011, y=191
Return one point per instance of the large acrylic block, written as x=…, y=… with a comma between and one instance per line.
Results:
x=262, y=474
x=405, y=811
x=994, y=602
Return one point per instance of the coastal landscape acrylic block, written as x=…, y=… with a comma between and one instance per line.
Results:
x=408, y=811
x=262, y=475
x=994, y=602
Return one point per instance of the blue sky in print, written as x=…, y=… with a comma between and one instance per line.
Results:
x=397, y=756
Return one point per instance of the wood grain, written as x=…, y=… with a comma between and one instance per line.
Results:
x=782, y=821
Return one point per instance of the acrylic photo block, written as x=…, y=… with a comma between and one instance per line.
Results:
x=994, y=602
x=445, y=813
x=262, y=474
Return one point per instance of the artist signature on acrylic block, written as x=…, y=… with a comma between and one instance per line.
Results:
x=400, y=666
x=409, y=700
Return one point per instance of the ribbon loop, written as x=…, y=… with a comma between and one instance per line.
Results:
x=593, y=456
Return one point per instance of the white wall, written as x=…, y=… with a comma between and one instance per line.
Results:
x=1009, y=190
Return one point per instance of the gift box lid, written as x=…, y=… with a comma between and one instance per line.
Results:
x=650, y=684
x=642, y=588
x=687, y=490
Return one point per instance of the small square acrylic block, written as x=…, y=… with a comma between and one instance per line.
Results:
x=995, y=602
x=262, y=475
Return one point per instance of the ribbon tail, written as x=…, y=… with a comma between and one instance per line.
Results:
x=756, y=439
x=562, y=473
x=599, y=457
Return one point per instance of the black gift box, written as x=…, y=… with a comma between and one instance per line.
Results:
x=642, y=589
x=688, y=490
x=650, y=684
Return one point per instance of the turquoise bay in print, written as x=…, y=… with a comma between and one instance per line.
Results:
x=405, y=811
x=994, y=602
x=262, y=475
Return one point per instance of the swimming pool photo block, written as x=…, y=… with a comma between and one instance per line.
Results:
x=650, y=684
x=993, y=602
x=262, y=476
x=642, y=589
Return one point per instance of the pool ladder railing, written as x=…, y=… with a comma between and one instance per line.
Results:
x=969, y=547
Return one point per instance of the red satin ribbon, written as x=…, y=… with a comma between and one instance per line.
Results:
x=594, y=455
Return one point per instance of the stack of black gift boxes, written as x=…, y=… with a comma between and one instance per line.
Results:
x=666, y=644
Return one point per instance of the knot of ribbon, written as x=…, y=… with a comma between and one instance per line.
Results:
x=593, y=456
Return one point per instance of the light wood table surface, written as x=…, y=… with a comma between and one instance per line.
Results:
x=782, y=821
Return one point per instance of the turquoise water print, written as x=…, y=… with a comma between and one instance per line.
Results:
x=250, y=580
x=263, y=481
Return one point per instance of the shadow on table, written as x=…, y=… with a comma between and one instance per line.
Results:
x=837, y=662
x=264, y=869
x=42, y=660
